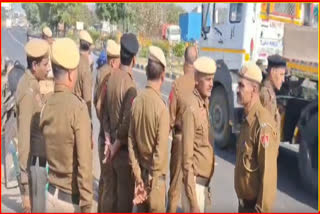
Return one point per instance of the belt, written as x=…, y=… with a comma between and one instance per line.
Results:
x=248, y=204
x=63, y=196
x=42, y=161
x=202, y=181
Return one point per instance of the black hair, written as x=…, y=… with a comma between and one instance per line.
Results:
x=58, y=71
x=84, y=45
x=38, y=60
x=125, y=57
x=154, y=70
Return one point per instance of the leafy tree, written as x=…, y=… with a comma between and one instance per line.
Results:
x=32, y=13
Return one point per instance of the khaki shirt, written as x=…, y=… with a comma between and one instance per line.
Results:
x=100, y=88
x=256, y=159
x=269, y=100
x=149, y=134
x=121, y=90
x=198, y=154
x=30, y=139
x=83, y=87
x=182, y=86
x=65, y=124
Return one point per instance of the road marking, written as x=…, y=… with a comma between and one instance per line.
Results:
x=14, y=39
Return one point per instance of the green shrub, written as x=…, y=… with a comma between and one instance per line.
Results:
x=143, y=52
x=94, y=35
x=178, y=49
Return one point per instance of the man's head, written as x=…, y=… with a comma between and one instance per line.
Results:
x=38, y=58
x=129, y=49
x=205, y=70
x=190, y=55
x=113, y=53
x=156, y=64
x=47, y=35
x=250, y=77
x=276, y=70
x=65, y=60
x=85, y=40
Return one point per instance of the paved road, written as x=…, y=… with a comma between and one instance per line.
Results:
x=290, y=197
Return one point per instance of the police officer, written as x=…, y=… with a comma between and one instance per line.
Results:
x=83, y=87
x=113, y=53
x=256, y=158
x=198, y=155
x=65, y=124
x=183, y=85
x=113, y=61
x=275, y=77
x=47, y=35
x=148, y=138
x=30, y=140
x=46, y=86
x=121, y=90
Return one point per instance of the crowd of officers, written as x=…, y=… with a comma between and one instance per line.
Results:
x=133, y=144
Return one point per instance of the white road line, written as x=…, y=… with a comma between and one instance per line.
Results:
x=14, y=39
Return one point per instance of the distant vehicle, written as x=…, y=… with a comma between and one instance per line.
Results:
x=173, y=34
x=190, y=25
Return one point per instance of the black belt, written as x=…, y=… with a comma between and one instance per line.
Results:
x=202, y=181
x=42, y=161
x=63, y=196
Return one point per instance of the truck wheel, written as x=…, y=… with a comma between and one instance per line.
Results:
x=220, y=117
x=308, y=174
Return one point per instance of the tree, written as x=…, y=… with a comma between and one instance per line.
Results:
x=112, y=12
x=32, y=12
x=173, y=12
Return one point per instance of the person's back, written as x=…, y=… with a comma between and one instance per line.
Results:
x=148, y=110
x=65, y=124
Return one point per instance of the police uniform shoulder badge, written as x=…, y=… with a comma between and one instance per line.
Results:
x=264, y=140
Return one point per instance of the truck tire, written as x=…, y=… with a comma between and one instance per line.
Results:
x=219, y=113
x=308, y=175
x=308, y=151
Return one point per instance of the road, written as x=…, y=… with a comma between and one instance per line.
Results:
x=291, y=196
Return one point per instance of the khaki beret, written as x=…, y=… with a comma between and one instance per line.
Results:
x=46, y=31
x=84, y=35
x=113, y=49
x=155, y=53
x=64, y=52
x=205, y=65
x=251, y=71
x=37, y=48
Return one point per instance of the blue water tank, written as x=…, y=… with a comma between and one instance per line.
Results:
x=190, y=25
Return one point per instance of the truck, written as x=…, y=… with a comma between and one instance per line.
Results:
x=241, y=32
x=190, y=25
x=171, y=33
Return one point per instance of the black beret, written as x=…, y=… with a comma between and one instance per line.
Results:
x=129, y=43
x=276, y=61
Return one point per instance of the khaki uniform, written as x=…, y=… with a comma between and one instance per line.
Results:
x=119, y=187
x=101, y=85
x=256, y=162
x=30, y=140
x=269, y=101
x=198, y=154
x=65, y=124
x=148, y=147
x=83, y=87
x=183, y=85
